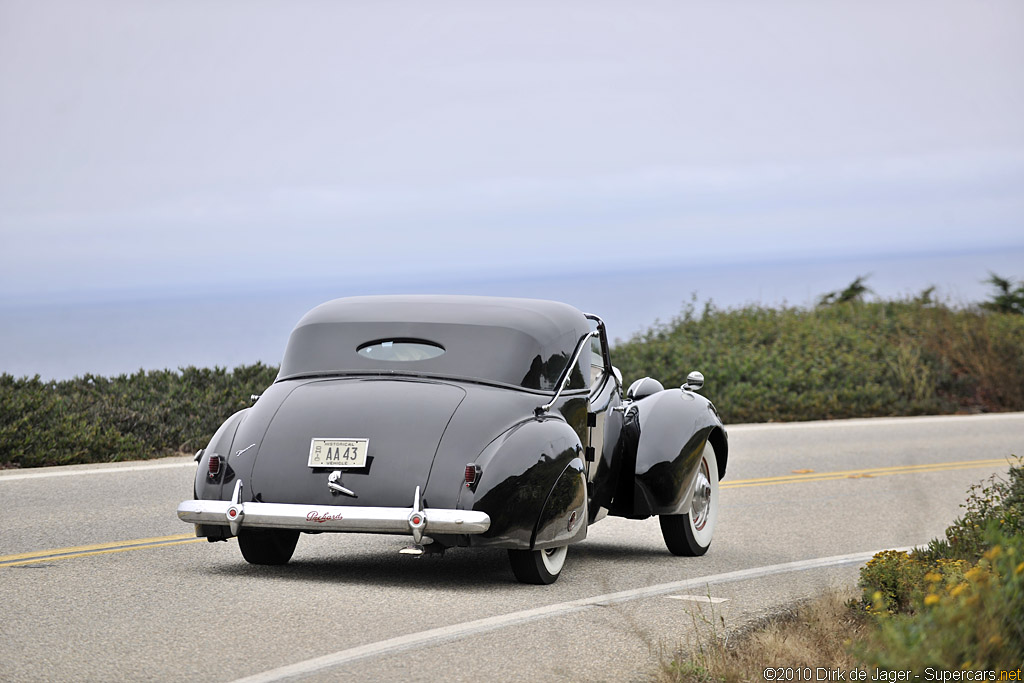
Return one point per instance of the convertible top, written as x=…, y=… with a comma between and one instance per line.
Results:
x=520, y=342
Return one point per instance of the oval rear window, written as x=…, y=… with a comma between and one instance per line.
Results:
x=400, y=350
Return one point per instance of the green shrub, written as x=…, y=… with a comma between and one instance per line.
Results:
x=974, y=623
x=850, y=359
x=995, y=504
x=958, y=603
x=98, y=419
x=896, y=582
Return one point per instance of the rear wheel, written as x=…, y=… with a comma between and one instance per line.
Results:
x=540, y=567
x=267, y=546
x=690, y=534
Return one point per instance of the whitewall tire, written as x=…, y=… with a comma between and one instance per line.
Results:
x=690, y=534
x=540, y=567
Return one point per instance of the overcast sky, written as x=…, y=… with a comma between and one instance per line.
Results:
x=189, y=145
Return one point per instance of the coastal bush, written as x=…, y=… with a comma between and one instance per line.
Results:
x=851, y=359
x=956, y=603
x=897, y=582
x=100, y=419
x=994, y=504
x=970, y=622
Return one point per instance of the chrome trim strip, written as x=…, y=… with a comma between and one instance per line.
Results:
x=568, y=372
x=333, y=517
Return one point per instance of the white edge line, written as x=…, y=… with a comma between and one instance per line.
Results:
x=865, y=421
x=699, y=598
x=113, y=469
x=446, y=633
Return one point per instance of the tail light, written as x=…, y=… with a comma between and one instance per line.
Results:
x=472, y=475
x=214, y=466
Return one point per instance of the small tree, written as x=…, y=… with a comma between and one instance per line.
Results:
x=1006, y=298
x=926, y=297
x=854, y=291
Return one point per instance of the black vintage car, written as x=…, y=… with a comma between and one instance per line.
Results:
x=459, y=421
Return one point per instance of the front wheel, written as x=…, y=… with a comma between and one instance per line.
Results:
x=689, y=534
x=540, y=567
x=267, y=546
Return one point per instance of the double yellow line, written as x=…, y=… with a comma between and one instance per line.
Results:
x=870, y=473
x=44, y=556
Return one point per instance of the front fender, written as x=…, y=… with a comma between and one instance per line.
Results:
x=518, y=471
x=674, y=426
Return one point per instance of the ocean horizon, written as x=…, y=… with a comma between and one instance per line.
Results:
x=115, y=333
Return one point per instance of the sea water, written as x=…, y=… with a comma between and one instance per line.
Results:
x=113, y=334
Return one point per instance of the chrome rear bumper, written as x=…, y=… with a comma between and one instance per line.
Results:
x=413, y=520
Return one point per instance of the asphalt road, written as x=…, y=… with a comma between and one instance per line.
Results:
x=100, y=581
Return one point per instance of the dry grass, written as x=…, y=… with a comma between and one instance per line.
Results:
x=814, y=634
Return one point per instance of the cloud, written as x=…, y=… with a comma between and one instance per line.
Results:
x=157, y=146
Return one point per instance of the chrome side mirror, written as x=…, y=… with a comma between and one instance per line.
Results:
x=618, y=375
x=694, y=381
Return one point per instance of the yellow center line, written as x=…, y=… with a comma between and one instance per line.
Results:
x=867, y=473
x=95, y=549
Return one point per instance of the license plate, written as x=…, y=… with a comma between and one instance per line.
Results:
x=338, y=452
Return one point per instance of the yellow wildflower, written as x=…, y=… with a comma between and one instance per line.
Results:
x=932, y=577
x=931, y=599
x=1019, y=569
x=993, y=552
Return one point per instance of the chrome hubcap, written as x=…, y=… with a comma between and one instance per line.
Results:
x=701, y=497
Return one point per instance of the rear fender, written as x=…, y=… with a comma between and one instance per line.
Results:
x=564, y=519
x=518, y=473
x=205, y=487
x=237, y=442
